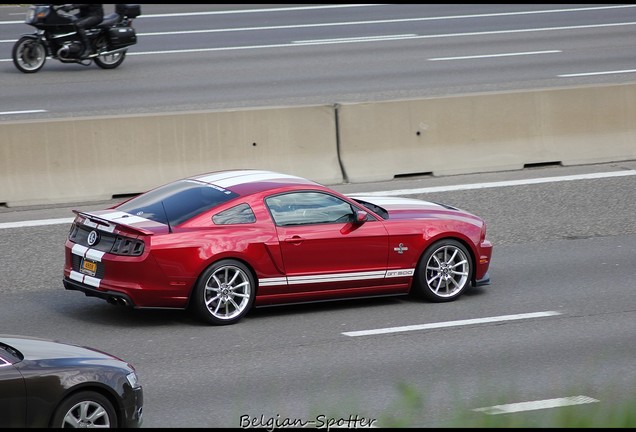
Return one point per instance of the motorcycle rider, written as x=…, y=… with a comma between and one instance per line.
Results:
x=89, y=15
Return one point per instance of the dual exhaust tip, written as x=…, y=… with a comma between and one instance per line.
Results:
x=118, y=301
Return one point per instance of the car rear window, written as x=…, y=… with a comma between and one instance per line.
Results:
x=177, y=202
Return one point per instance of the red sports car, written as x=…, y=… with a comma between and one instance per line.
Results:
x=224, y=242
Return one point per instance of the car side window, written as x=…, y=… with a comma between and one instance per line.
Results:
x=307, y=207
x=9, y=355
x=240, y=214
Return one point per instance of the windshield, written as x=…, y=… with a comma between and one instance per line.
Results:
x=177, y=202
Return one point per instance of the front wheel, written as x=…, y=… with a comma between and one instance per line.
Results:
x=29, y=54
x=224, y=293
x=86, y=409
x=444, y=271
x=110, y=61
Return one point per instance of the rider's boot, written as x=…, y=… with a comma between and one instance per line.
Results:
x=85, y=43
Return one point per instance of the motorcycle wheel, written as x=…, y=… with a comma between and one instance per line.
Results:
x=110, y=61
x=29, y=54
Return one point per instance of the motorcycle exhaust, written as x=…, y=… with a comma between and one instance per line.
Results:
x=115, y=51
x=69, y=51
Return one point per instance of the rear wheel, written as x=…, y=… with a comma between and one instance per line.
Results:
x=29, y=54
x=86, y=409
x=110, y=61
x=224, y=293
x=444, y=271
x=107, y=61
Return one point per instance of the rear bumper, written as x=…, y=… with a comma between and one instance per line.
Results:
x=113, y=297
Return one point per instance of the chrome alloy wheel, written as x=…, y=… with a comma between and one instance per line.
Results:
x=87, y=414
x=227, y=292
x=447, y=271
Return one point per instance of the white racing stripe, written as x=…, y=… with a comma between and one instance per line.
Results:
x=272, y=281
x=94, y=255
x=121, y=217
x=220, y=176
x=336, y=277
x=264, y=176
x=79, y=250
x=85, y=279
x=392, y=200
x=91, y=254
x=84, y=252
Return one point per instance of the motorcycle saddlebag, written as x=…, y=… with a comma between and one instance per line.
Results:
x=128, y=10
x=122, y=37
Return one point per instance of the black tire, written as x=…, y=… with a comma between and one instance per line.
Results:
x=224, y=293
x=29, y=54
x=85, y=409
x=110, y=61
x=444, y=271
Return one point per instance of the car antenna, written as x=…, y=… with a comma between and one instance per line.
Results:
x=167, y=220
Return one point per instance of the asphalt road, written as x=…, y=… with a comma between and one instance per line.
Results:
x=563, y=249
x=202, y=57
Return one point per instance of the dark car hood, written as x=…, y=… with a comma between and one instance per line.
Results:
x=36, y=349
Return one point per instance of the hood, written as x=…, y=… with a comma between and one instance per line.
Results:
x=37, y=349
x=400, y=203
x=412, y=208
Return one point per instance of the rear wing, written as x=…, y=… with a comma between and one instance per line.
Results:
x=108, y=220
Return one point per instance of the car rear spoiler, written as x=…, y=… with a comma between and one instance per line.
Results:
x=108, y=224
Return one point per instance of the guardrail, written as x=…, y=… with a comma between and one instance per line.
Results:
x=96, y=158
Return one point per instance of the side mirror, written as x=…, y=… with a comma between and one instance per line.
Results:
x=360, y=216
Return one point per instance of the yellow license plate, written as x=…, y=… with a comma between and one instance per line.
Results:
x=89, y=267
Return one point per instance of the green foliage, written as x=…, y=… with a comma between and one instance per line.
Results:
x=409, y=412
x=405, y=412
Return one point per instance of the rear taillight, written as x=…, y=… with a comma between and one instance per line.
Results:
x=73, y=231
x=127, y=246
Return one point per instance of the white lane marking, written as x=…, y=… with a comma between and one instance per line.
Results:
x=355, y=39
x=284, y=9
x=238, y=11
x=375, y=39
x=23, y=112
x=451, y=323
x=596, y=73
x=536, y=405
x=539, y=180
x=495, y=55
x=450, y=188
x=39, y=222
x=485, y=15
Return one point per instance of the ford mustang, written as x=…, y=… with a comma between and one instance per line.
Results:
x=224, y=242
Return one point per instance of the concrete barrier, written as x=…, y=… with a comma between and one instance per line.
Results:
x=96, y=158
x=84, y=159
x=487, y=132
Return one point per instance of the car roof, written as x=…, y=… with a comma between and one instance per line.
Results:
x=248, y=181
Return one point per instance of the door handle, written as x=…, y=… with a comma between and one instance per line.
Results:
x=294, y=240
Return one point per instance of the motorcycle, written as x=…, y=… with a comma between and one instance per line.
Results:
x=56, y=37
